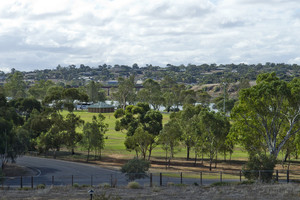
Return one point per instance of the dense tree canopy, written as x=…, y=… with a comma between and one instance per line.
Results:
x=267, y=115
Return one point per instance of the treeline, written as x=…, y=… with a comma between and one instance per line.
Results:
x=187, y=74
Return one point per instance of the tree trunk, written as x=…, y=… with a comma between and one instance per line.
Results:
x=88, y=156
x=216, y=161
x=188, y=152
x=72, y=151
x=166, y=159
x=195, y=158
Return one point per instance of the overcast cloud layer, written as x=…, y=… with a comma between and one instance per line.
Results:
x=37, y=34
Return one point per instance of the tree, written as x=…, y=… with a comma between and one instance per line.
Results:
x=151, y=93
x=215, y=128
x=93, y=134
x=187, y=126
x=125, y=92
x=148, y=121
x=53, y=138
x=269, y=112
x=70, y=136
x=95, y=92
x=135, y=169
x=39, y=89
x=169, y=138
x=15, y=86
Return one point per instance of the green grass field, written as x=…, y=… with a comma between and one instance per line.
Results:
x=114, y=144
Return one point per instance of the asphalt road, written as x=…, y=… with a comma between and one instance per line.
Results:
x=58, y=172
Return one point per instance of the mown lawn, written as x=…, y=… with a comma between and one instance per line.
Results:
x=114, y=144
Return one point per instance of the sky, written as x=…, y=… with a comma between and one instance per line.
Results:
x=36, y=34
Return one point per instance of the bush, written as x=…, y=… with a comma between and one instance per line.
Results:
x=264, y=164
x=135, y=169
x=41, y=186
x=76, y=185
x=134, y=185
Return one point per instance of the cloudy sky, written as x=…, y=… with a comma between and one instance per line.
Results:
x=36, y=34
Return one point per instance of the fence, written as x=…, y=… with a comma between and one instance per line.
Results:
x=157, y=179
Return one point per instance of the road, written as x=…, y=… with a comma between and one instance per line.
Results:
x=58, y=172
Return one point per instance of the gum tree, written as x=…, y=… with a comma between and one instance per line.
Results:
x=268, y=114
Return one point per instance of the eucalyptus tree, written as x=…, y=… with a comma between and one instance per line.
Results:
x=151, y=93
x=125, y=93
x=268, y=114
x=15, y=85
x=95, y=92
x=139, y=121
x=215, y=128
x=93, y=135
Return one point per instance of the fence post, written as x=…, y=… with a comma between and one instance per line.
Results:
x=21, y=182
x=52, y=180
x=72, y=180
x=200, y=178
x=240, y=175
x=180, y=177
x=111, y=181
x=259, y=175
x=91, y=180
x=221, y=177
x=32, y=182
x=151, y=180
x=160, y=179
x=277, y=175
x=287, y=176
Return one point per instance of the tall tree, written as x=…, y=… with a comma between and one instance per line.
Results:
x=15, y=86
x=151, y=93
x=215, y=128
x=125, y=92
x=270, y=112
x=139, y=116
x=93, y=135
x=70, y=136
x=94, y=91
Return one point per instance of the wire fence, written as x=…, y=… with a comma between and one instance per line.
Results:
x=151, y=179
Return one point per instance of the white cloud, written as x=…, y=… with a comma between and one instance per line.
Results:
x=38, y=34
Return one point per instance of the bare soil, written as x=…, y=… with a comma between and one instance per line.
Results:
x=254, y=191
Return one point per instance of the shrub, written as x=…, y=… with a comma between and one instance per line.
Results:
x=264, y=164
x=41, y=186
x=105, y=185
x=76, y=185
x=134, y=185
x=135, y=169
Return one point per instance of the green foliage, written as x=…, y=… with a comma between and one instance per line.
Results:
x=134, y=185
x=95, y=92
x=267, y=115
x=149, y=123
x=135, y=169
x=125, y=92
x=262, y=163
x=15, y=86
x=93, y=134
x=41, y=186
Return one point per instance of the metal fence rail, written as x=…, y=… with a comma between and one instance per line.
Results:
x=158, y=179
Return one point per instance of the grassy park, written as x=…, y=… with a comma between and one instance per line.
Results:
x=115, y=154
